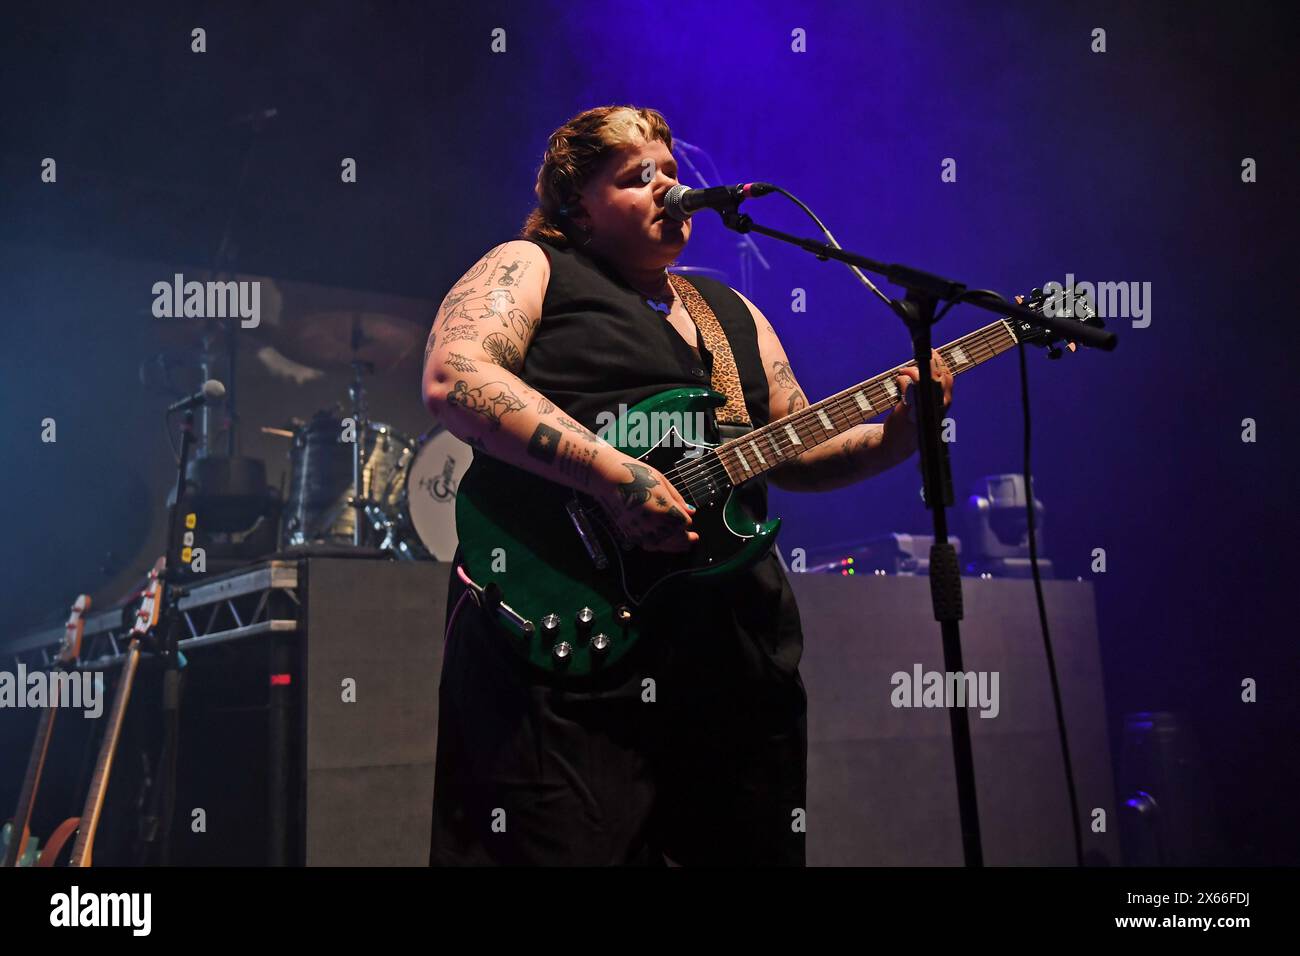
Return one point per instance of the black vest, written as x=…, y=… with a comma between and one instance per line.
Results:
x=599, y=346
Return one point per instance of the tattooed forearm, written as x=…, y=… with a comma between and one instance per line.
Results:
x=577, y=429
x=577, y=461
x=460, y=363
x=846, y=460
x=491, y=400
x=796, y=402
x=854, y=456
x=545, y=407
x=503, y=352
x=544, y=443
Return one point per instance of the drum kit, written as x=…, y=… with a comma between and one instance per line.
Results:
x=353, y=483
x=359, y=482
x=408, y=486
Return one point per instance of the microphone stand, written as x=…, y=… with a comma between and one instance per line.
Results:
x=917, y=311
x=746, y=249
x=157, y=825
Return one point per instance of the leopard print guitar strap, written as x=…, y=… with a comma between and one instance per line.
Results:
x=724, y=378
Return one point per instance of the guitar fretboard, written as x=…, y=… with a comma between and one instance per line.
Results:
x=765, y=448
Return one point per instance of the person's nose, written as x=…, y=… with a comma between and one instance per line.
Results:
x=663, y=183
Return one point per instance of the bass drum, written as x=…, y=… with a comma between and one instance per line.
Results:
x=426, y=501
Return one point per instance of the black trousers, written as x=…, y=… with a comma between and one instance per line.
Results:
x=696, y=750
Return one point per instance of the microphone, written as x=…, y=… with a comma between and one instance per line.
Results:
x=211, y=391
x=682, y=202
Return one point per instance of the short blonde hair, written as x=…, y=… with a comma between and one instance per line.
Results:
x=574, y=153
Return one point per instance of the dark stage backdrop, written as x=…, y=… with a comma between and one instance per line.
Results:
x=1122, y=166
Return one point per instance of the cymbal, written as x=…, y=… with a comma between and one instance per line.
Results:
x=700, y=271
x=326, y=340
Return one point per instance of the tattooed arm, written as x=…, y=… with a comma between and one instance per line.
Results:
x=471, y=383
x=858, y=453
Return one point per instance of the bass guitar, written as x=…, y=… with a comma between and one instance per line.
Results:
x=86, y=825
x=20, y=848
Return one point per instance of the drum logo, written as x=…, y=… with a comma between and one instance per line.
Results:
x=443, y=486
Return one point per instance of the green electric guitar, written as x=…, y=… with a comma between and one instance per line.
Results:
x=567, y=590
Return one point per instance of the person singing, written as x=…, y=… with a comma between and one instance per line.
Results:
x=695, y=752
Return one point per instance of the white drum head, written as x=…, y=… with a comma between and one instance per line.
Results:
x=431, y=487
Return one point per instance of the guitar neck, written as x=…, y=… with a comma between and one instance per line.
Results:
x=765, y=448
x=27, y=797
x=84, y=847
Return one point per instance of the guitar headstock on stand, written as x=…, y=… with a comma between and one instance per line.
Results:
x=17, y=845
x=1064, y=304
x=151, y=601
x=73, y=630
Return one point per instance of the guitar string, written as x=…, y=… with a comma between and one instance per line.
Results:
x=841, y=410
x=981, y=345
x=976, y=343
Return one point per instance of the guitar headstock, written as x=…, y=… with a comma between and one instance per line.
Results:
x=146, y=615
x=70, y=647
x=1064, y=304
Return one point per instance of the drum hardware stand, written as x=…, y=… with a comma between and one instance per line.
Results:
x=746, y=248
x=361, y=431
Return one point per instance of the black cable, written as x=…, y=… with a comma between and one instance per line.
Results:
x=167, y=428
x=1042, y=618
x=1033, y=545
x=833, y=242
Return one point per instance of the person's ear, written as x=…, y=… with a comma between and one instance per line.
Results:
x=576, y=214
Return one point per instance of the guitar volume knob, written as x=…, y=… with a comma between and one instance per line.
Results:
x=600, y=643
x=562, y=652
x=550, y=624
x=584, y=617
